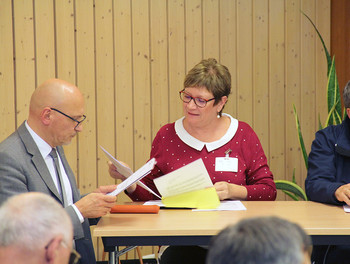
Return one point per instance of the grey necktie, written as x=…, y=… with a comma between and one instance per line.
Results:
x=53, y=154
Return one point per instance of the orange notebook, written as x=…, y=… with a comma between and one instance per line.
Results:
x=135, y=209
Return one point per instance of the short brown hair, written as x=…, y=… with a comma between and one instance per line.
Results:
x=211, y=75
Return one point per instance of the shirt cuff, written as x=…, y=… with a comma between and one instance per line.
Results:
x=80, y=216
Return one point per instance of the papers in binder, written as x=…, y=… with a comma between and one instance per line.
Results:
x=131, y=177
x=189, y=186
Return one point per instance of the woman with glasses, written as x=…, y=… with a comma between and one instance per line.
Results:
x=229, y=148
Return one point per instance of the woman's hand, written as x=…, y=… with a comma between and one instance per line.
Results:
x=116, y=175
x=231, y=191
x=114, y=172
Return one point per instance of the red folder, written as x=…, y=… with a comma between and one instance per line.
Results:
x=135, y=209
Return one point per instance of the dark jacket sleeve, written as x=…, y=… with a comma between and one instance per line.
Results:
x=323, y=169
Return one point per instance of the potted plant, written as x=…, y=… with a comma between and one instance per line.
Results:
x=334, y=117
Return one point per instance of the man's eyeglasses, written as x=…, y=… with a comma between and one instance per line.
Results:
x=74, y=255
x=75, y=120
x=200, y=102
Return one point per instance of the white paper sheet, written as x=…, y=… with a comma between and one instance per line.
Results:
x=138, y=175
x=126, y=171
x=227, y=206
x=191, y=177
x=346, y=208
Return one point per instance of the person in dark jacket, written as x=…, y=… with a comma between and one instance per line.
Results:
x=328, y=177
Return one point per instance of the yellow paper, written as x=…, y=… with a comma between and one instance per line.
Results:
x=202, y=199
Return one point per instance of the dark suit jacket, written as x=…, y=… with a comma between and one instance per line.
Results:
x=22, y=169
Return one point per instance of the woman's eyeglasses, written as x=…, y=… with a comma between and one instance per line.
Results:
x=200, y=102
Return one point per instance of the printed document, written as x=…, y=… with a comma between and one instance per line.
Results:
x=189, y=186
x=131, y=177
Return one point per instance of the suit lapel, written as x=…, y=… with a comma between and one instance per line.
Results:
x=37, y=159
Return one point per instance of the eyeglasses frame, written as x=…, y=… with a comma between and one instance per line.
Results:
x=75, y=120
x=74, y=255
x=193, y=98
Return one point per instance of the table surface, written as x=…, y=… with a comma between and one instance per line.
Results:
x=316, y=218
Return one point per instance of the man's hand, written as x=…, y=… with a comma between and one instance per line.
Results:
x=105, y=189
x=95, y=204
x=343, y=194
x=227, y=190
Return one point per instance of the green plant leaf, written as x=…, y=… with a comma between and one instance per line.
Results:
x=291, y=195
x=300, y=137
x=319, y=122
x=291, y=187
x=329, y=60
x=333, y=96
x=329, y=117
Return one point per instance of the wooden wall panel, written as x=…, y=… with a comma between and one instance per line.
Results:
x=129, y=59
x=322, y=16
x=260, y=78
x=104, y=84
x=308, y=100
x=276, y=88
x=211, y=30
x=293, y=89
x=228, y=49
x=245, y=61
x=44, y=40
x=194, y=34
x=141, y=82
x=124, y=122
x=23, y=33
x=65, y=58
x=159, y=65
x=7, y=81
x=177, y=55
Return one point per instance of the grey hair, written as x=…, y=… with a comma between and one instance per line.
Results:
x=346, y=95
x=260, y=240
x=31, y=220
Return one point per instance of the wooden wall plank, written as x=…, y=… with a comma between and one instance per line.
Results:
x=7, y=84
x=65, y=61
x=211, y=30
x=245, y=61
x=261, y=72
x=124, y=82
x=159, y=65
x=105, y=91
x=85, y=80
x=141, y=77
x=323, y=16
x=44, y=40
x=193, y=31
x=308, y=63
x=177, y=56
x=293, y=89
x=277, y=92
x=24, y=57
x=228, y=47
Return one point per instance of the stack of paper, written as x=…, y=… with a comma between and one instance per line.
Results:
x=189, y=186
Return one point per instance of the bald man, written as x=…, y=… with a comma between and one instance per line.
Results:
x=32, y=159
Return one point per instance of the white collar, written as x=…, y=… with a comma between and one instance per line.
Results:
x=199, y=145
x=43, y=147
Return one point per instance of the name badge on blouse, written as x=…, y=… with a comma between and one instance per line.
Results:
x=226, y=164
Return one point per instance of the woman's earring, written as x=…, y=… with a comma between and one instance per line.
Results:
x=218, y=115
